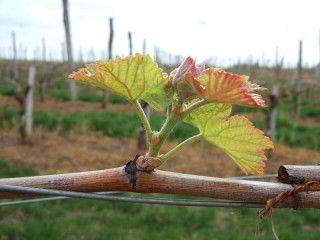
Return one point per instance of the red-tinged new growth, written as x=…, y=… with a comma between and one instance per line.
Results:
x=230, y=88
x=215, y=85
x=188, y=65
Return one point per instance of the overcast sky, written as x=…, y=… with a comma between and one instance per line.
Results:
x=224, y=30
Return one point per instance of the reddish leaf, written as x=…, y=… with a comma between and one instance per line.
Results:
x=226, y=87
x=188, y=65
x=219, y=86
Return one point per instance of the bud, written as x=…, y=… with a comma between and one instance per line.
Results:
x=188, y=65
x=183, y=68
x=148, y=164
x=155, y=138
x=177, y=110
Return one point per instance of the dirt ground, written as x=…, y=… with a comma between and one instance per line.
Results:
x=53, y=152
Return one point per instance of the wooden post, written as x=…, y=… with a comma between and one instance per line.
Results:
x=156, y=54
x=24, y=98
x=25, y=53
x=43, y=71
x=271, y=117
x=72, y=84
x=297, y=92
x=130, y=43
x=264, y=69
x=144, y=47
x=20, y=52
x=110, y=38
x=15, y=57
x=272, y=114
x=29, y=101
x=80, y=56
x=105, y=99
x=63, y=52
x=317, y=78
x=44, y=52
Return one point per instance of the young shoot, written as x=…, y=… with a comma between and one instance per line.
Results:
x=202, y=97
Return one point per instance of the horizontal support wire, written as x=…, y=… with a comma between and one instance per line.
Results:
x=46, y=199
x=146, y=200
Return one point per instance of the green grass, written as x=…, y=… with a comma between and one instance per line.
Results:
x=60, y=91
x=286, y=105
x=127, y=124
x=86, y=97
x=289, y=132
x=298, y=135
x=113, y=124
x=7, y=89
x=311, y=112
x=92, y=219
x=8, y=170
x=87, y=219
x=292, y=134
x=245, y=109
x=290, y=101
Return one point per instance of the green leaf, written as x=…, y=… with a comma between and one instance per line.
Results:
x=236, y=135
x=132, y=77
x=201, y=116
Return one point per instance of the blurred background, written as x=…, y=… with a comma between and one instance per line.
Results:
x=51, y=125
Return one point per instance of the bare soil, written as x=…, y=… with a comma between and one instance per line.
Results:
x=53, y=152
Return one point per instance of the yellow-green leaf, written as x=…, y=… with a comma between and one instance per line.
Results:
x=201, y=116
x=132, y=77
x=236, y=135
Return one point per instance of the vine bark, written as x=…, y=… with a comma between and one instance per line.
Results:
x=123, y=179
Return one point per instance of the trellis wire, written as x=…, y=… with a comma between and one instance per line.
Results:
x=36, y=200
x=146, y=200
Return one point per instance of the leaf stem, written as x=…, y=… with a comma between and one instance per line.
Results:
x=144, y=119
x=177, y=148
x=193, y=107
x=170, y=124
